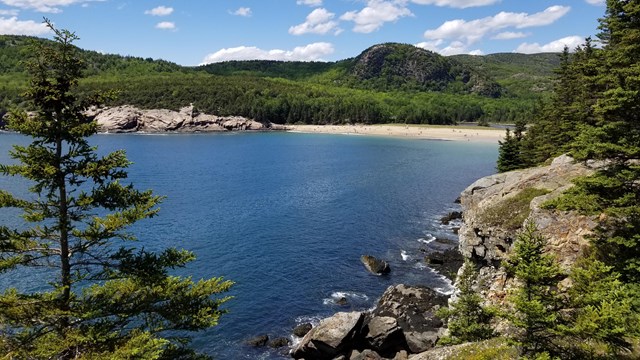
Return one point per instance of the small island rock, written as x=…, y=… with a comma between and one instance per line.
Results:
x=374, y=265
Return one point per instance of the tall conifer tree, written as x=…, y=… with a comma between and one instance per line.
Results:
x=92, y=292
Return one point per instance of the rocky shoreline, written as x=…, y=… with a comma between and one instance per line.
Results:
x=404, y=325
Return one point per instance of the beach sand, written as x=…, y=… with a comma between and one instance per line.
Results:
x=454, y=133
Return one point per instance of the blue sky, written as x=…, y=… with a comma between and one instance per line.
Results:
x=191, y=32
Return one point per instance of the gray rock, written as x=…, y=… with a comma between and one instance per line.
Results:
x=302, y=330
x=374, y=265
x=366, y=354
x=258, y=341
x=384, y=335
x=414, y=310
x=279, y=342
x=332, y=337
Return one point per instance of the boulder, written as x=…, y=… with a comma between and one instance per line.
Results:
x=331, y=338
x=414, y=309
x=302, y=330
x=454, y=215
x=446, y=262
x=366, y=354
x=383, y=335
x=279, y=342
x=258, y=341
x=374, y=265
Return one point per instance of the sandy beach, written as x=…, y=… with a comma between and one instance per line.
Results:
x=454, y=133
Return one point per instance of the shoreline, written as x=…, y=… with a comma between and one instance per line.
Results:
x=430, y=132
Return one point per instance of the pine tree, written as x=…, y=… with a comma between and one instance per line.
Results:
x=602, y=311
x=535, y=301
x=467, y=319
x=95, y=293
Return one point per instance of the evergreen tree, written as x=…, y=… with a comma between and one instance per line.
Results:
x=535, y=301
x=602, y=311
x=510, y=152
x=92, y=292
x=467, y=319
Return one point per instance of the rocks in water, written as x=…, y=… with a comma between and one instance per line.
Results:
x=446, y=262
x=454, y=215
x=374, y=265
x=123, y=119
x=279, y=342
x=342, y=301
x=258, y=341
x=302, y=330
x=332, y=337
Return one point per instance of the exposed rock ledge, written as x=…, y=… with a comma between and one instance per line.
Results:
x=128, y=119
x=489, y=244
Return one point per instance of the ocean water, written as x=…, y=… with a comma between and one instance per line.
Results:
x=287, y=217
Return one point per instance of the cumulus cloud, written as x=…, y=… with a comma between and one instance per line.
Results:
x=461, y=4
x=160, y=11
x=596, y=2
x=311, y=52
x=472, y=31
x=46, y=6
x=166, y=25
x=454, y=48
x=376, y=14
x=13, y=26
x=243, y=11
x=310, y=2
x=319, y=21
x=555, y=46
x=509, y=35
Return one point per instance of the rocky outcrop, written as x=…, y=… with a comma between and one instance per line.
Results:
x=404, y=322
x=488, y=243
x=126, y=119
x=374, y=265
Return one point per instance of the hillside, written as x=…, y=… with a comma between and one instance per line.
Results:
x=386, y=83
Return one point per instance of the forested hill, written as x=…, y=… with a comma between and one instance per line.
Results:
x=385, y=83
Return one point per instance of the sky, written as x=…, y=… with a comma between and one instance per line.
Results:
x=194, y=32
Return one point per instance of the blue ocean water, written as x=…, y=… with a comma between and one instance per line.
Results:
x=287, y=217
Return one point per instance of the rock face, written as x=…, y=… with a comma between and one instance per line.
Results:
x=375, y=265
x=489, y=244
x=125, y=119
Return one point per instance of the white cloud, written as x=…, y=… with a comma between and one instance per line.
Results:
x=454, y=48
x=243, y=11
x=461, y=4
x=160, y=11
x=509, y=35
x=319, y=21
x=46, y=6
x=474, y=30
x=555, y=46
x=375, y=14
x=13, y=26
x=311, y=52
x=310, y=2
x=12, y=12
x=596, y=2
x=166, y=25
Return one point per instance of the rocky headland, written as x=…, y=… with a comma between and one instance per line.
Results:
x=404, y=325
x=129, y=119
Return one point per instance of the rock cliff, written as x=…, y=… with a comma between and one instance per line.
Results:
x=496, y=207
x=126, y=119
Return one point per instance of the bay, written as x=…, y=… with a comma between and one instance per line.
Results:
x=287, y=217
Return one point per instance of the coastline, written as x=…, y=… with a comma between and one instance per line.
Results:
x=432, y=132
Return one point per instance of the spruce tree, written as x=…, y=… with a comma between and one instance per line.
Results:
x=93, y=292
x=467, y=318
x=535, y=300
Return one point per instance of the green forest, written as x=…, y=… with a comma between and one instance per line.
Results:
x=381, y=85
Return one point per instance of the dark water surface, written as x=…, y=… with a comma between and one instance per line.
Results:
x=287, y=217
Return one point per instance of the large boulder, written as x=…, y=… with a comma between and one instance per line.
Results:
x=414, y=309
x=383, y=335
x=332, y=337
x=374, y=265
